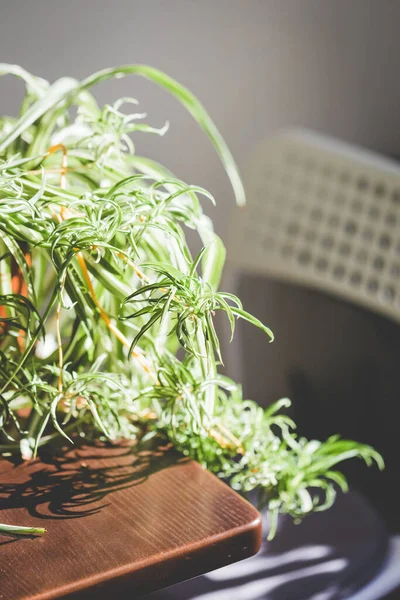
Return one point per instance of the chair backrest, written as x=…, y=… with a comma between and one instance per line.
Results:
x=324, y=214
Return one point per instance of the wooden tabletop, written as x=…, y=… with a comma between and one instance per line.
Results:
x=118, y=521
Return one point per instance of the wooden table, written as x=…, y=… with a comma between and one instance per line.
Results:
x=118, y=521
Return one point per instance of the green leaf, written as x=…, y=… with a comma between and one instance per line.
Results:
x=190, y=102
x=21, y=531
x=56, y=93
x=213, y=262
x=37, y=84
x=248, y=317
x=53, y=414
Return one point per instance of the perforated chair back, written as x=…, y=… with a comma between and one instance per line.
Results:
x=323, y=214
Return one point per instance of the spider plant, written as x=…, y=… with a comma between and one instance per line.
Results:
x=99, y=290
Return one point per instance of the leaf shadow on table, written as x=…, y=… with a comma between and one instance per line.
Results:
x=74, y=483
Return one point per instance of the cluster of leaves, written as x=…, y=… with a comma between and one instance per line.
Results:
x=99, y=290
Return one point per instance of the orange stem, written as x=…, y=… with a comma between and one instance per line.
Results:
x=107, y=319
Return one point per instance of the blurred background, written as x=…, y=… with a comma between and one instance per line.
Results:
x=258, y=66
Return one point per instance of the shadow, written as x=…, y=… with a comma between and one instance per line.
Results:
x=73, y=483
x=15, y=539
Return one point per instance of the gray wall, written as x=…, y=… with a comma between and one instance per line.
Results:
x=257, y=65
